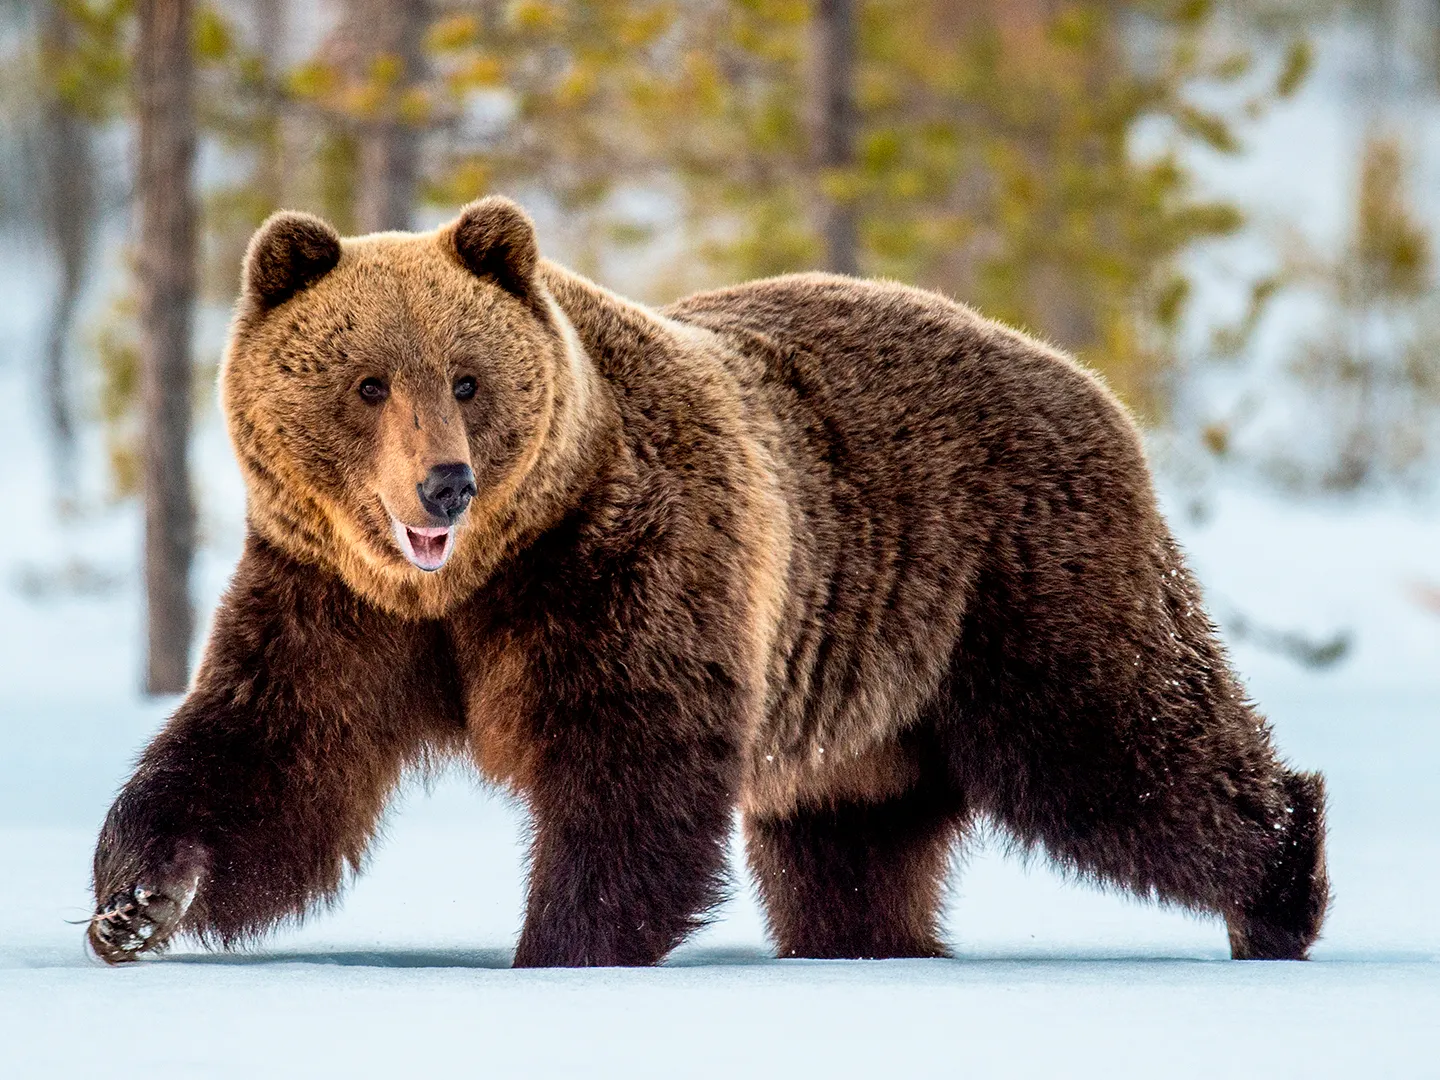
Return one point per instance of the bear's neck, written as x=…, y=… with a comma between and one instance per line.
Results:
x=578, y=440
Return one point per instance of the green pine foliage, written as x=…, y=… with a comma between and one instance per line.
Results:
x=994, y=158
x=1031, y=157
x=1373, y=370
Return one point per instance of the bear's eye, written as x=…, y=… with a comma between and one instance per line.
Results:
x=464, y=388
x=374, y=391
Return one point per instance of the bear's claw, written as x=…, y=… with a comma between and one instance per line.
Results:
x=135, y=920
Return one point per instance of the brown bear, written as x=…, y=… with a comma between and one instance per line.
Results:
x=841, y=554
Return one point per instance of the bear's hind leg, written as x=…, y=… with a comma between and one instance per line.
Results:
x=1283, y=917
x=855, y=880
x=1181, y=801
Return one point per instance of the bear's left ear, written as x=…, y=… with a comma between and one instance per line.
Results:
x=494, y=238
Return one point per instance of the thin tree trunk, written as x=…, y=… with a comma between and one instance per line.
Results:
x=69, y=215
x=836, y=127
x=165, y=86
x=270, y=27
x=388, y=36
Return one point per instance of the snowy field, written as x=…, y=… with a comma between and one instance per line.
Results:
x=408, y=976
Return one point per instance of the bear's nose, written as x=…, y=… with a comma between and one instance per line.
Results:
x=447, y=490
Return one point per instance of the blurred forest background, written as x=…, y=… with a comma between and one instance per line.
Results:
x=1116, y=177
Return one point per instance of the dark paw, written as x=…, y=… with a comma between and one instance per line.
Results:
x=137, y=920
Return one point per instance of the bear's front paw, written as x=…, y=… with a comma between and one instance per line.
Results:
x=137, y=919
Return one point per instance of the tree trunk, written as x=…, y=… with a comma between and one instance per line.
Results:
x=165, y=90
x=68, y=207
x=835, y=128
x=270, y=29
x=385, y=39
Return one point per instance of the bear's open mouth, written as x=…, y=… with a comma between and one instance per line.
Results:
x=426, y=548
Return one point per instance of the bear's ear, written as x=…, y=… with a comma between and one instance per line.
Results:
x=494, y=238
x=289, y=252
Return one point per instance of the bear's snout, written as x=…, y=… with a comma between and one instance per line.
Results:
x=447, y=490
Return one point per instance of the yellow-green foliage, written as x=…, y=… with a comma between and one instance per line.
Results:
x=119, y=356
x=1391, y=247
x=995, y=164
x=91, y=68
x=1374, y=367
x=994, y=156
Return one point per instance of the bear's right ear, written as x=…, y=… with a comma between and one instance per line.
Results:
x=289, y=252
x=494, y=238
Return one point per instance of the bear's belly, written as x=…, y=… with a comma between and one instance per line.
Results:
x=778, y=782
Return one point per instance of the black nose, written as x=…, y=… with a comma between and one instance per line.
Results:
x=447, y=491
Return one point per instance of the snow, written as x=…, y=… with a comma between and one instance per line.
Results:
x=409, y=977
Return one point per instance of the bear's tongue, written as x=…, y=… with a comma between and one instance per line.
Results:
x=426, y=548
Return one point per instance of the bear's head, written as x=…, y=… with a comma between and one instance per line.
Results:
x=392, y=397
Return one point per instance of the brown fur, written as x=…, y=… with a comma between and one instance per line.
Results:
x=840, y=553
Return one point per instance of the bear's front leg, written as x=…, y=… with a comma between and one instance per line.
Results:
x=632, y=814
x=266, y=785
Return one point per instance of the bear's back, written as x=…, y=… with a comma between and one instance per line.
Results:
x=923, y=450
x=901, y=408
